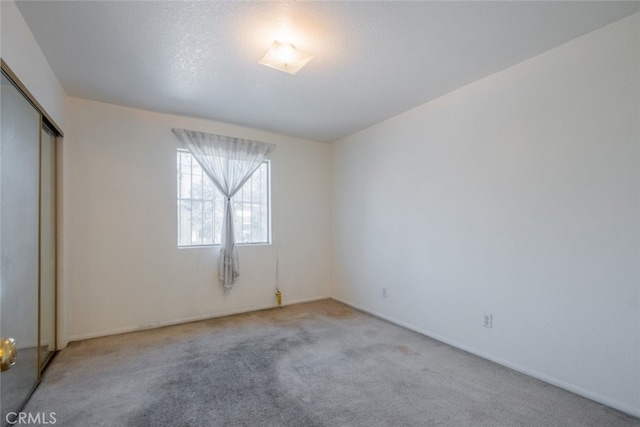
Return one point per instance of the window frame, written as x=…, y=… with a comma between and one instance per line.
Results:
x=269, y=239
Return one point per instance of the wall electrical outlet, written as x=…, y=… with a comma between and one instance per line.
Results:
x=487, y=321
x=384, y=292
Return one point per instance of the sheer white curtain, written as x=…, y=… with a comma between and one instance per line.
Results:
x=229, y=162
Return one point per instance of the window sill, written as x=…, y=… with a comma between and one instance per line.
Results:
x=217, y=245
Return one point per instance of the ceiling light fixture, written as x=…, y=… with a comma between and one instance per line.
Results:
x=285, y=57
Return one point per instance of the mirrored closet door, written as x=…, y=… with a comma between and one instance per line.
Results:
x=47, y=292
x=27, y=246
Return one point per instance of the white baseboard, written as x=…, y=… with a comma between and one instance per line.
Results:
x=522, y=369
x=303, y=300
x=160, y=324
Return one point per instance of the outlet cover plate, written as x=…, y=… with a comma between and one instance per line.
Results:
x=487, y=321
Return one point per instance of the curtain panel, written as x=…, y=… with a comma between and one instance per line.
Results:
x=229, y=162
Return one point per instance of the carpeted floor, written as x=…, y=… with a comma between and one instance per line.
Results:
x=316, y=364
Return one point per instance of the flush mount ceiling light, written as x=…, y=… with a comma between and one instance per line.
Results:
x=285, y=57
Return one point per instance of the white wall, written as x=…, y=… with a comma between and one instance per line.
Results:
x=124, y=270
x=22, y=54
x=517, y=196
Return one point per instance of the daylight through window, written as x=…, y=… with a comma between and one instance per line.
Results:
x=201, y=205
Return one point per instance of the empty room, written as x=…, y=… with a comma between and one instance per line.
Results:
x=279, y=213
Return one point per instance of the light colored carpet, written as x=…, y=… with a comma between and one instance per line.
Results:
x=316, y=364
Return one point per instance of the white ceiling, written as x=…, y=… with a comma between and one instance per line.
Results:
x=373, y=60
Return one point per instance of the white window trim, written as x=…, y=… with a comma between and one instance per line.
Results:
x=269, y=241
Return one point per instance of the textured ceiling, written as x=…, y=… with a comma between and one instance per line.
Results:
x=373, y=60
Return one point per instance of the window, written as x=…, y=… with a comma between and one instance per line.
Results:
x=201, y=205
